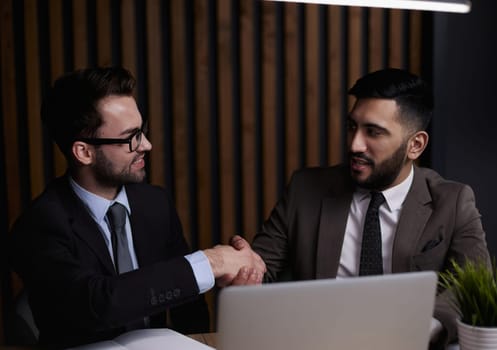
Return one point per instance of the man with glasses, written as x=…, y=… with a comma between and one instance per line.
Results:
x=100, y=252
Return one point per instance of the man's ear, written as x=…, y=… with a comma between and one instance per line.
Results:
x=417, y=144
x=83, y=153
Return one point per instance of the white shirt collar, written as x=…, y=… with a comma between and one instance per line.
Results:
x=97, y=205
x=394, y=196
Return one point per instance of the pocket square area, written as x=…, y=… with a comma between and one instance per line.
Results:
x=432, y=244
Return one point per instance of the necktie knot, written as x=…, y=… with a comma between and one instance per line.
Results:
x=117, y=216
x=377, y=199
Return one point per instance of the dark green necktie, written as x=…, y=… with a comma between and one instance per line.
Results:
x=371, y=262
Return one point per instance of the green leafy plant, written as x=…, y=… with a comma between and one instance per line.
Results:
x=474, y=292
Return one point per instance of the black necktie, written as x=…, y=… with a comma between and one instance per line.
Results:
x=371, y=259
x=117, y=219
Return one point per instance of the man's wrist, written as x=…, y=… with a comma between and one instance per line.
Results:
x=202, y=270
x=216, y=261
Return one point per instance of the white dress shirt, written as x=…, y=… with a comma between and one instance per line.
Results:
x=389, y=213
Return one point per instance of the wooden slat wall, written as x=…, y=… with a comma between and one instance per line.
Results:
x=239, y=93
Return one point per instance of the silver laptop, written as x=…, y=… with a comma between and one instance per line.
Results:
x=388, y=312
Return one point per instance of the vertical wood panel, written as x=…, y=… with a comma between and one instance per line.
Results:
x=375, y=39
x=323, y=85
x=415, y=42
x=247, y=115
x=269, y=107
x=395, y=56
x=104, y=35
x=9, y=111
x=56, y=38
x=154, y=88
x=128, y=36
x=56, y=64
x=292, y=91
x=236, y=115
x=334, y=76
x=33, y=98
x=213, y=87
x=179, y=112
x=279, y=112
x=258, y=107
x=311, y=85
x=225, y=94
x=203, y=123
x=355, y=49
x=80, y=32
x=9, y=127
x=191, y=123
x=203, y=119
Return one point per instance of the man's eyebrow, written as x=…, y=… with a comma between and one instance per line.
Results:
x=351, y=120
x=376, y=126
x=129, y=131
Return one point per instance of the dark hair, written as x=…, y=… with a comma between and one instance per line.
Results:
x=69, y=110
x=412, y=95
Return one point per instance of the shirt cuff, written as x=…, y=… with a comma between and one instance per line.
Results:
x=201, y=270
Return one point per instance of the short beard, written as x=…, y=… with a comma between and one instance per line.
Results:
x=105, y=175
x=385, y=173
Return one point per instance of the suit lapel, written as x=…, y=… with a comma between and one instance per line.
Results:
x=413, y=218
x=333, y=219
x=84, y=226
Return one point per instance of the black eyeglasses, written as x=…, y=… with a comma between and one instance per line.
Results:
x=134, y=140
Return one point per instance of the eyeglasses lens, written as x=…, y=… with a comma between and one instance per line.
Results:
x=136, y=141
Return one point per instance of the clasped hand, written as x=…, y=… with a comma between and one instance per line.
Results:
x=236, y=264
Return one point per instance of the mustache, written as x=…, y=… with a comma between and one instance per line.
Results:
x=138, y=157
x=361, y=156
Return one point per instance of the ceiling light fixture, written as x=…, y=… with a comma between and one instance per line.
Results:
x=458, y=6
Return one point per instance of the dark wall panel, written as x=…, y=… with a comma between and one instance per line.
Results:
x=238, y=93
x=465, y=123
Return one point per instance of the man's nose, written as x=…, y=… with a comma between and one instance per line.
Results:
x=357, y=142
x=145, y=144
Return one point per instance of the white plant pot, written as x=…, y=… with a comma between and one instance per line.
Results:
x=476, y=338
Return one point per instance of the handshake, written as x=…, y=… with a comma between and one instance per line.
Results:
x=235, y=264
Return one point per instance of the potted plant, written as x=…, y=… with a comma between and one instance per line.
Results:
x=473, y=287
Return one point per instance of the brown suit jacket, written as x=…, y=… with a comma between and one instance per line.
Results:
x=302, y=239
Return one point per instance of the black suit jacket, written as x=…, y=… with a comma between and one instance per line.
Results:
x=304, y=233
x=75, y=294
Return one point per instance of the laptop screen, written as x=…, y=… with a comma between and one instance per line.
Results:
x=375, y=312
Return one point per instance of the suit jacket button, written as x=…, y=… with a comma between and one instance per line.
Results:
x=161, y=298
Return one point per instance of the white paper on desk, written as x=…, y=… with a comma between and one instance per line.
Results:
x=149, y=339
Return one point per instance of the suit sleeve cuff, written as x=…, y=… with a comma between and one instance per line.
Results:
x=201, y=270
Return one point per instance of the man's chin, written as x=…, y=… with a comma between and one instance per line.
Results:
x=140, y=177
x=358, y=178
x=136, y=177
x=362, y=182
